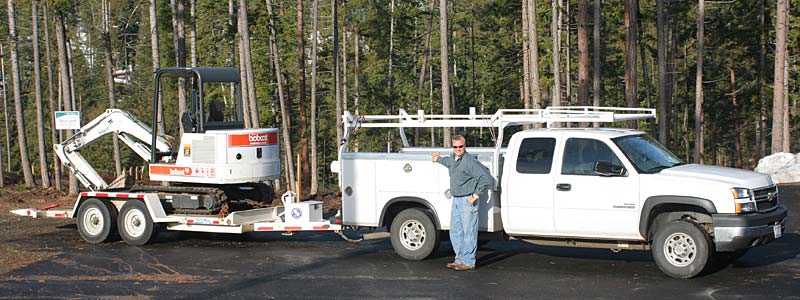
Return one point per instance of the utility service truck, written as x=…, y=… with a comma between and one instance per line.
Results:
x=583, y=187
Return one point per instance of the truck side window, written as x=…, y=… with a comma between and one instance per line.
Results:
x=536, y=155
x=581, y=155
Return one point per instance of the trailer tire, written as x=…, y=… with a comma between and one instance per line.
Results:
x=136, y=227
x=97, y=221
x=414, y=235
x=682, y=249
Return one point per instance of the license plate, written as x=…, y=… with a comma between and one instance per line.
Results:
x=776, y=231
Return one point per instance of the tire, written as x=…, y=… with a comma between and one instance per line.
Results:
x=97, y=221
x=135, y=224
x=414, y=235
x=682, y=249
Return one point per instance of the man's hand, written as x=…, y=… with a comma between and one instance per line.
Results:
x=472, y=198
x=435, y=156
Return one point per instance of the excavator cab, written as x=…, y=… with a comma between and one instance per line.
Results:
x=224, y=112
x=221, y=113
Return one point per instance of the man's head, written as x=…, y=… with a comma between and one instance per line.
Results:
x=459, y=145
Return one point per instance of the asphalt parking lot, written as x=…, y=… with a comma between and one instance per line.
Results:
x=322, y=266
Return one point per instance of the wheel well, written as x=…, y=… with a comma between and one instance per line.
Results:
x=397, y=205
x=663, y=213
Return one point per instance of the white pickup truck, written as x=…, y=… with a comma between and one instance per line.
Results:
x=582, y=187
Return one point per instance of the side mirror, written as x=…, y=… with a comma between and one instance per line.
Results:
x=604, y=168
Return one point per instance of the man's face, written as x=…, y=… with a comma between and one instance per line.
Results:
x=459, y=148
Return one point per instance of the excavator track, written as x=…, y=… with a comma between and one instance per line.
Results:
x=218, y=197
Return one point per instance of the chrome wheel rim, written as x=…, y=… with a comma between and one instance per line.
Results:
x=412, y=234
x=135, y=223
x=93, y=221
x=680, y=249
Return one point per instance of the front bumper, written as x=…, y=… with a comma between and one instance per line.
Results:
x=733, y=232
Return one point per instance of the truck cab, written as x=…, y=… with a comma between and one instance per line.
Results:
x=619, y=186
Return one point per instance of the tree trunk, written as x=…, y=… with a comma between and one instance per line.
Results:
x=698, y=102
x=179, y=39
x=583, y=53
x=533, y=53
x=65, y=82
x=390, y=81
x=597, y=76
x=645, y=74
x=287, y=146
x=761, y=134
x=248, y=63
x=314, y=44
x=737, y=130
x=663, y=126
x=301, y=93
x=444, y=67
x=156, y=62
x=631, y=93
x=336, y=79
x=15, y=83
x=567, y=52
x=5, y=110
x=345, y=98
x=192, y=34
x=525, y=84
x=556, y=32
x=244, y=84
x=786, y=109
x=356, y=45
x=37, y=86
x=426, y=53
x=5, y=117
x=51, y=99
x=109, y=74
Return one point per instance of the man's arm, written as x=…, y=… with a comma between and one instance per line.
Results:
x=446, y=161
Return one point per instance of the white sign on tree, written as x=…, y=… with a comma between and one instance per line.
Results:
x=68, y=120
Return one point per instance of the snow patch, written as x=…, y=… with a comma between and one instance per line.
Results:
x=783, y=167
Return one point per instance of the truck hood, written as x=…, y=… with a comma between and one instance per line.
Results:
x=731, y=176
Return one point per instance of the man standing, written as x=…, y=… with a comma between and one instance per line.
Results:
x=468, y=180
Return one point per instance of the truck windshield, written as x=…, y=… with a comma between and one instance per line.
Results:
x=646, y=154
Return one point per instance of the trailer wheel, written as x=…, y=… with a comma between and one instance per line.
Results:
x=97, y=221
x=135, y=224
x=681, y=249
x=413, y=234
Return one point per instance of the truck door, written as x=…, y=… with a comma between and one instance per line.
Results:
x=527, y=187
x=589, y=204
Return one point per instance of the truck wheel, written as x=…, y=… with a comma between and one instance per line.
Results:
x=135, y=224
x=681, y=249
x=97, y=221
x=413, y=235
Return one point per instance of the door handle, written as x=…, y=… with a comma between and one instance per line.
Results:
x=563, y=187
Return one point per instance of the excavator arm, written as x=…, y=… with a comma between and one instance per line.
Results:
x=130, y=131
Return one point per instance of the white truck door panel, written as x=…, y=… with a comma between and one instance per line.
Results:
x=358, y=197
x=527, y=189
x=590, y=205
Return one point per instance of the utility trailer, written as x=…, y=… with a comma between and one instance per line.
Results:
x=218, y=172
x=141, y=216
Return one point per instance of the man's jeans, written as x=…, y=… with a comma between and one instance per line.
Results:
x=464, y=230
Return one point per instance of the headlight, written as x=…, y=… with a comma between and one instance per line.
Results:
x=743, y=200
x=740, y=193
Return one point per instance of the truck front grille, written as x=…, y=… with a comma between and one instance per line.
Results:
x=766, y=198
